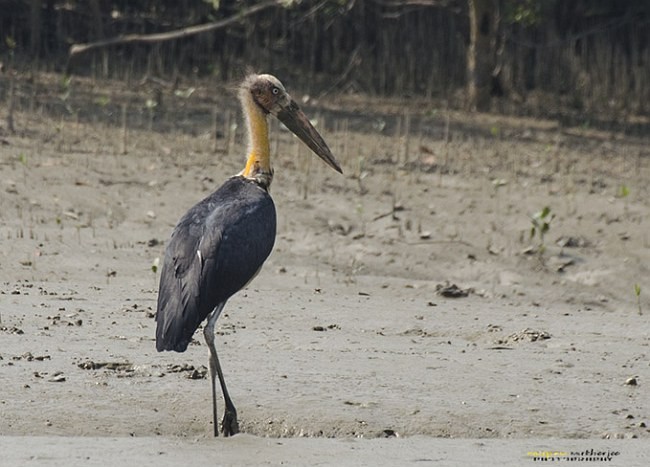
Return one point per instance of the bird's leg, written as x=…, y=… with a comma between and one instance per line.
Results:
x=208, y=333
x=229, y=425
x=214, y=397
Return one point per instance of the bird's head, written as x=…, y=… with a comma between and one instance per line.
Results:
x=269, y=94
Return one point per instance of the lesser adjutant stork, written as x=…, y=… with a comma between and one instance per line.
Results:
x=220, y=244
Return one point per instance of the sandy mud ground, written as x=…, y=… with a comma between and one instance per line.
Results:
x=405, y=315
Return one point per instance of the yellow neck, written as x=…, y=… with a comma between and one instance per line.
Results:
x=259, y=153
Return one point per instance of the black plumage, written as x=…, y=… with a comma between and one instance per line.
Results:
x=215, y=250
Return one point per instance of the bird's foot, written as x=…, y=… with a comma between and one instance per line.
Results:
x=229, y=425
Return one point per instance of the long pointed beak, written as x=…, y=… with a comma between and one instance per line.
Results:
x=296, y=121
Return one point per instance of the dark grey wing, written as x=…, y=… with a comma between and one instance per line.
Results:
x=215, y=250
x=179, y=298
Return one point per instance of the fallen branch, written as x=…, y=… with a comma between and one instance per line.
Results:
x=78, y=49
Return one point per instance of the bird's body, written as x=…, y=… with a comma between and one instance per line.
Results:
x=215, y=250
x=220, y=244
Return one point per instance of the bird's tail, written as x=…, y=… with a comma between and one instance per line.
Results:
x=174, y=330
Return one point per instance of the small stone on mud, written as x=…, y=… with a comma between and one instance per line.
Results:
x=198, y=373
x=631, y=381
x=452, y=291
x=57, y=378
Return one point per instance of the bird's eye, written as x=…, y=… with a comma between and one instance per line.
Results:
x=275, y=90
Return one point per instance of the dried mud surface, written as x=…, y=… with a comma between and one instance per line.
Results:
x=403, y=299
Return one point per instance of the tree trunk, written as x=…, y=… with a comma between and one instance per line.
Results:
x=480, y=54
x=98, y=30
x=35, y=17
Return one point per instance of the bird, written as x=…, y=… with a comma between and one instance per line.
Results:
x=221, y=243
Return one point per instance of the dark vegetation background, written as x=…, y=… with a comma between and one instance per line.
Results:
x=580, y=61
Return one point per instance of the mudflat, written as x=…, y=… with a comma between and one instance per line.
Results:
x=406, y=314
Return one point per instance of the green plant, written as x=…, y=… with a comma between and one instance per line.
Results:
x=526, y=13
x=431, y=113
x=623, y=192
x=102, y=101
x=541, y=224
x=184, y=93
x=22, y=158
x=637, y=292
x=151, y=105
x=154, y=269
x=10, y=42
x=65, y=85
